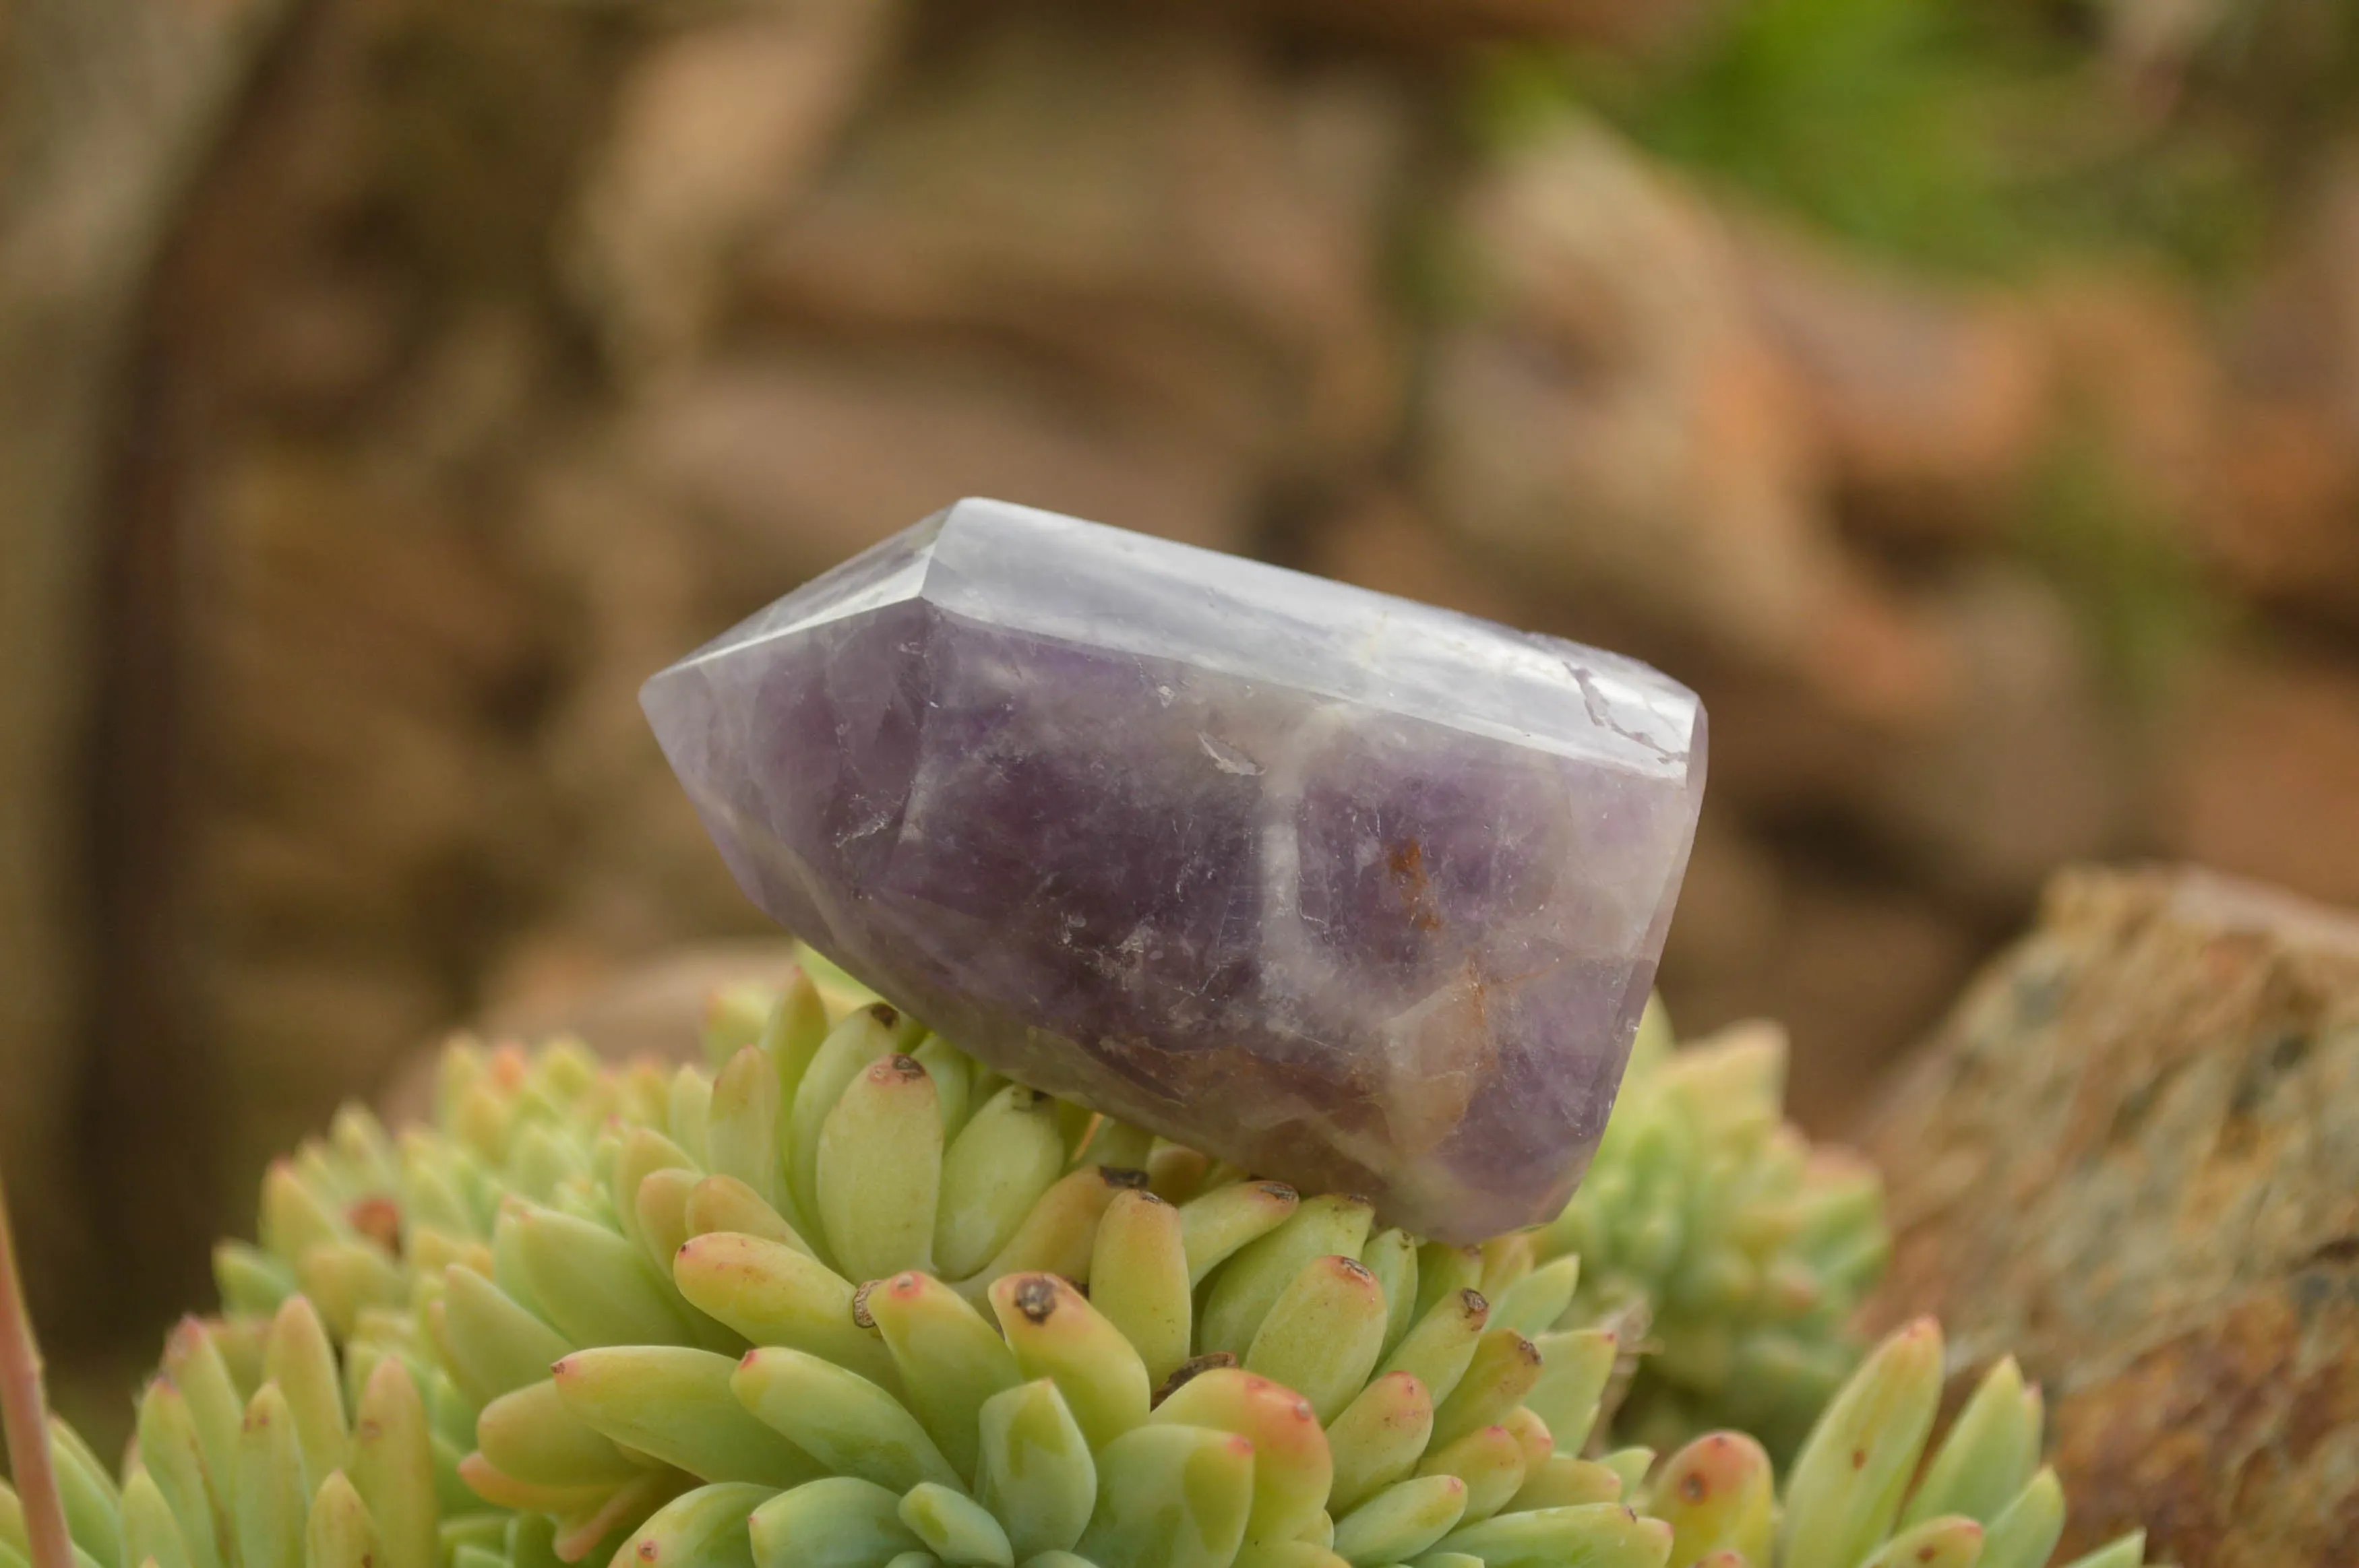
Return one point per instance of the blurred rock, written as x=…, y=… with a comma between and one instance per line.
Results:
x=1144, y=203
x=1731, y=927
x=2135, y=371
x=2128, y=1156
x=654, y=1007
x=2285, y=524
x=2263, y=771
x=1851, y=965
x=2285, y=529
x=1607, y=418
x=310, y=1031
x=2313, y=324
x=2030, y=762
x=715, y=127
x=1614, y=425
x=1381, y=540
x=1860, y=965
x=2023, y=757
x=797, y=464
x=1597, y=23
x=1927, y=402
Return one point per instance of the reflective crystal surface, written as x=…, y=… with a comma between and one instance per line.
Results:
x=1361, y=894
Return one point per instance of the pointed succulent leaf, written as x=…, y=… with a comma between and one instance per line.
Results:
x=1323, y=1332
x=840, y=1522
x=1034, y=1472
x=841, y=1419
x=951, y=1360
x=679, y=1406
x=1846, y=1487
x=956, y=1529
x=1171, y=1497
x=1293, y=1467
x=2026, y=1531
x=1056, y=1334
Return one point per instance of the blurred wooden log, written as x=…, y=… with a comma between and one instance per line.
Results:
x=106, y=106
x=2131, y=1156
x=344, y=342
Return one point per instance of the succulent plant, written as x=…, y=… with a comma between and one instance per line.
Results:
x=1723, y=1241
x=257, y=1447
x=853, y=1300
x=1863, y=1491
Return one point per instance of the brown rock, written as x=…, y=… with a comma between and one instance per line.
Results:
x=1383, y=542
x=1612, y=426
x=2017, y=758
x=2136, y=373
x=2130, y=1157
x=2284, y=528
x=2263, y=771
x=2299, y=336
x=1607, y=419
x=798, y=464
x=1930, y=402
x=1731, y=923
x=1849, y=965
x=641, y=583
x=309, y=1030
x=1140, y=200
x=715, y=127
x=2283, y=525
x=1859, y=966
x=2027, y=763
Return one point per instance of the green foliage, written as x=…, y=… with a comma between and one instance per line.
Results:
x=1970, y=136
x=1711, y=1233
x=2120, y=563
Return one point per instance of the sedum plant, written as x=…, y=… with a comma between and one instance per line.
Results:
x=1736, y=1251
x=852, y=1300
x=1863, y=1490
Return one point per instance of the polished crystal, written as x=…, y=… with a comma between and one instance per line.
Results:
x=1361, y=894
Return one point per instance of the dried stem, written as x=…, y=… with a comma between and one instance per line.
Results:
x=25, y=1411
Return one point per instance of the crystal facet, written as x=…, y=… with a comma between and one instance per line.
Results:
x=1359, y=894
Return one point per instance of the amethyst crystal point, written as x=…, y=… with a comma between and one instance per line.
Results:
x=1356, y=893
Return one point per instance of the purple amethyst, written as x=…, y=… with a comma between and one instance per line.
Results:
x=1359, y=894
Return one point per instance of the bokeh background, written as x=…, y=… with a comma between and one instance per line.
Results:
x=1961, y=395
